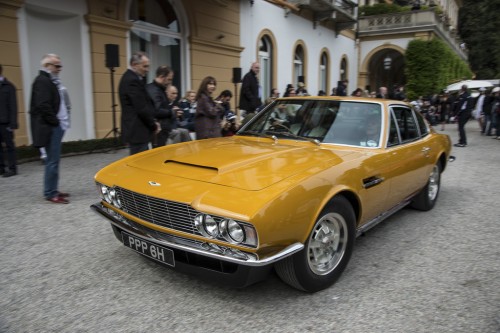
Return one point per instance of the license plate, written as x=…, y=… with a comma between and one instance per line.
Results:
x=148, y=249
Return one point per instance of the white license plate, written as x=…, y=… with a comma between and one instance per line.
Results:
x=148, y=249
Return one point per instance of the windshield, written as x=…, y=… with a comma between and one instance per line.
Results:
x=327, y=121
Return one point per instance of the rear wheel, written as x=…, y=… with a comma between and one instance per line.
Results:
x=426, y=199
x=326, y=252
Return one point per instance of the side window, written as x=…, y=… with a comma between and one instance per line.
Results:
x=424, y=130
x=406, y=123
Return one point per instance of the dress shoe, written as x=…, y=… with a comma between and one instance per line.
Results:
x=63, y=194
x=58, y=200
x=9, y=173
x=460, y=145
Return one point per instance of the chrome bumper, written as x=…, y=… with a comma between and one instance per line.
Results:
x=202, y=249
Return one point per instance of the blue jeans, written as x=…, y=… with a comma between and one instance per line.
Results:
x=53, y=149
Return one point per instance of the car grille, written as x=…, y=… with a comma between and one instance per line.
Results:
x=165, y=213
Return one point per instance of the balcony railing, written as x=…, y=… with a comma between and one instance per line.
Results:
x=410, y=22
x=339, y=12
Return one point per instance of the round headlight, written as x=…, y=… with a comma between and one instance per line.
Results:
x=105, y=193
x=211, y=226
x=235, y=231
x=206, y=225
x=114, y=198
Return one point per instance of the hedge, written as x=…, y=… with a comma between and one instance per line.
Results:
x=431, y=66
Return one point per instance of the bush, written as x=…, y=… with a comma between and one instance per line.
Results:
x=431, y=66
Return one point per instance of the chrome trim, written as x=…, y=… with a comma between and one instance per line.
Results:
x=370, y=224
x=149, y=236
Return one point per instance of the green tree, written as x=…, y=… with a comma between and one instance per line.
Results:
x=478, y=27
x=431, y=66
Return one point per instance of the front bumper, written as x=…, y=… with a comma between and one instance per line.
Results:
x=204, y=249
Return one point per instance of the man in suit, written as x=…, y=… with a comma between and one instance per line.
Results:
x=462, y=108
x=249, y=93
x=8, y=123
x=138, y=122
x=49, y=121
x=163, y=112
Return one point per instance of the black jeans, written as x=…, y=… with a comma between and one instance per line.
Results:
x=7, y=137
x=463, y=118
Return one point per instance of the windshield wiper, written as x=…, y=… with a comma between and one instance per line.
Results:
x=292, y=135
x=260, y=134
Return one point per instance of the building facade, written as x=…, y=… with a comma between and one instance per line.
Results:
x=313, y=41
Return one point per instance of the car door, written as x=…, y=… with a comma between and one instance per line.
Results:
x=408, y=155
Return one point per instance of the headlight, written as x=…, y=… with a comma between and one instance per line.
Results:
x=235, y=231
x=109, y=195
x=206, y=225
x=114, y=198
x=232, y=231
x=211, y=226
x=226, y=229
x=105, y=193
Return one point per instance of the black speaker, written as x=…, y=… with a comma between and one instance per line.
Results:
x=302, y=79
x=236, y=74
x=112, y=55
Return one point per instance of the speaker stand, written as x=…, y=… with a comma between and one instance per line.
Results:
x=115, y=131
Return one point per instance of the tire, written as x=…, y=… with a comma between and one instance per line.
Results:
x=427, y=197
x=330, y=241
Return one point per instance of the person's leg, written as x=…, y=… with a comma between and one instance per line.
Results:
x=175, y=135
x=161, y=138
x=2, y=139
x=184, y=133
x=53, y=149
x=11, y=151
x=138, y=147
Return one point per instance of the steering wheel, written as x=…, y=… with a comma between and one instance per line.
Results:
x=279, y=127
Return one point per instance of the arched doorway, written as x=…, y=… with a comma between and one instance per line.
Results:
x=386, y=69
x=157, y=30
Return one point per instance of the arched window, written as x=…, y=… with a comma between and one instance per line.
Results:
x=323, y=72
x=343, y=69
x=266, y=65
x=298, y=65
x=156, y=31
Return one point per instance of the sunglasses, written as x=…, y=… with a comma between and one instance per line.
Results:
x=56, y=66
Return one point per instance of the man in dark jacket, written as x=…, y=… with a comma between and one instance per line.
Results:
x=462, y=108
x=249, y=93
x=138, y=122
x=8, y=123
x=49, y=121
x=163, y=111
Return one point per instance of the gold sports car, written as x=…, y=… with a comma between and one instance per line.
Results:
x=291, y=190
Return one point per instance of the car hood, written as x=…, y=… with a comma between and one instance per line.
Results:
x=243, y=163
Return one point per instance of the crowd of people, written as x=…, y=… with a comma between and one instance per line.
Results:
x=154, y=115
x=460, y=107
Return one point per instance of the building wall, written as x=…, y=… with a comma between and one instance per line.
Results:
x=288, y=30
x=218, y=34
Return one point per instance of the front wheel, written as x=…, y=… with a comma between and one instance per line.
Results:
x=326, y=252
x=426, y=199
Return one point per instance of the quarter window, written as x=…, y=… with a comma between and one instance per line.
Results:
x=406, y=123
